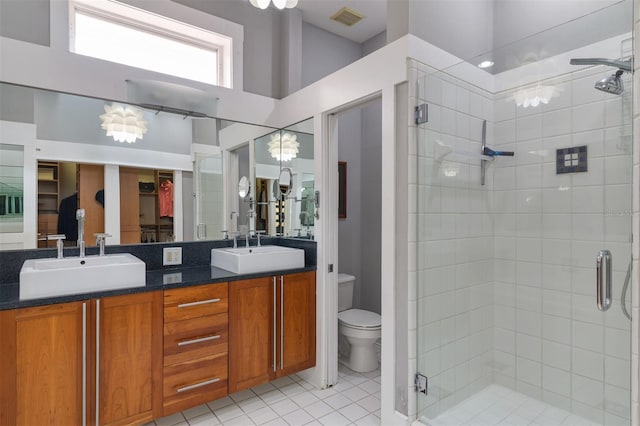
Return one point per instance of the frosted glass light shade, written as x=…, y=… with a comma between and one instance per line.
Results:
x=280, y=4
x=534, y=96
x=123, y=123
x=283, y=148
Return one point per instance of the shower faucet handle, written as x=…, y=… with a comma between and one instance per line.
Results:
x=491, y=153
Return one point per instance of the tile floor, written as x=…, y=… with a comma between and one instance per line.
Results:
x=497, y=405
x=354, y=400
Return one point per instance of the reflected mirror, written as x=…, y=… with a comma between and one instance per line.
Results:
x=290, y=148
x=285, y=181
x=174, y=180
x=11, y=188
x=244, y=187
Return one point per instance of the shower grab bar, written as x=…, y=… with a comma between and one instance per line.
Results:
x=603, y=295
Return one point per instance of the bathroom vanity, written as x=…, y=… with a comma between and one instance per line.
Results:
x=189, y=336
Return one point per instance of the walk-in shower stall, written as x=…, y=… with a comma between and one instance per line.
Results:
x=523, y=316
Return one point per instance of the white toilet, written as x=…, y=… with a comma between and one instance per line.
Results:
x=360, y=328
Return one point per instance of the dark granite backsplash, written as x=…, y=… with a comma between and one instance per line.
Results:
x=195, y=253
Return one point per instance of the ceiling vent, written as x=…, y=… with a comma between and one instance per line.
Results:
x=347, y=16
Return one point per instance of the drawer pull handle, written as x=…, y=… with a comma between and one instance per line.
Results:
x=197, y=385
x=200, y=302
x=198, y=340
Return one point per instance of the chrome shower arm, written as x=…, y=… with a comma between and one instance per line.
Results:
x=623, y=65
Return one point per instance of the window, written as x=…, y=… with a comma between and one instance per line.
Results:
x=116, y=32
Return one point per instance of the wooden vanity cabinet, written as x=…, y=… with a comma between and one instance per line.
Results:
x=41, y=359
x=196, y=340
x=128, y=358
x=97, y=359
x=272, y=326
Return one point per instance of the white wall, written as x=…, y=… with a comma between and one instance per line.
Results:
x=515, y=20
x=350, y=229
x=371, y=206
x=360, y=145
x=324, y=53
x=25, y=20
x=374, y=43
x=463, y=28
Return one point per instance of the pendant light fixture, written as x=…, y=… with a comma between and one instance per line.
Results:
x=123, y=123
x=283, y=148
x=279, y=4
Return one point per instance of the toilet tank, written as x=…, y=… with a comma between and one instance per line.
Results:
x=345, y=291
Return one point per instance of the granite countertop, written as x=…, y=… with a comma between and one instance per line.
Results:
x=158, y=279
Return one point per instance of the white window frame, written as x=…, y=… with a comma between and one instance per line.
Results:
x=156, y=23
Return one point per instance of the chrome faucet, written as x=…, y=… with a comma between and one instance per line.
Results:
x=80, y=219
x=258, y=235
x=100, y=241
x=59, y=244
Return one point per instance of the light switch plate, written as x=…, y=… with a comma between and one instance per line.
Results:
x=173, y=278
x=171, y=256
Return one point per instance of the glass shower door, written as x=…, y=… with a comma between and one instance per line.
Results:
x=508, y=325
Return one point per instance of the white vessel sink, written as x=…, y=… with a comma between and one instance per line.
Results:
x=247, y=260
x=73, y=275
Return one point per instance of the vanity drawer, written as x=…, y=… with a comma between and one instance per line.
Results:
x=193, y=302
x=195, y=338
x=193, y=383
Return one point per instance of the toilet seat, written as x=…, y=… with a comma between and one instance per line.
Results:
x=360, y=319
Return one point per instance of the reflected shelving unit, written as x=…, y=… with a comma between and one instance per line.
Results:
x=48, y=201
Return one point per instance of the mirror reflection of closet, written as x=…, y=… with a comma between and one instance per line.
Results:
x=146, y=206
x=64, y=187
x=299, y=203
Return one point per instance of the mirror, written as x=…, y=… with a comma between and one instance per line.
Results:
x=291, y=148
x=244, y=187
x=196, y=153
x=285, y=181
x=11, y=188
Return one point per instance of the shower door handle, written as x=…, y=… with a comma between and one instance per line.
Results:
x=603, y=295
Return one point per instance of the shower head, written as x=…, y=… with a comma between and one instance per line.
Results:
x=622, y=65
x=612, y=84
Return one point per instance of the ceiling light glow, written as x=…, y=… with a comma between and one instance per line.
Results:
x=279, y=4
x=485, y=64
x=285, y=147
x=123, y=123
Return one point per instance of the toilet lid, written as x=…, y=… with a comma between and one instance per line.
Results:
x=344, y=278
x=360, y=318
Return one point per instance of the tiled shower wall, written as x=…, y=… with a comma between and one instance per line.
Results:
x=454, y=241
x=550, y=341
x=505, y=272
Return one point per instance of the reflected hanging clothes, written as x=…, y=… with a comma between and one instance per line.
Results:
x=67, y=223
x=165, y=198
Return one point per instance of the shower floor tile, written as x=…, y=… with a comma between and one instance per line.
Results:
x=497, y=405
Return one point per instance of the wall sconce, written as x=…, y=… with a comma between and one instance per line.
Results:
x=123, y=123
x=283, y=147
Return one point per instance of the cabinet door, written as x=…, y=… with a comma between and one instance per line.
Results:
x=129, y=358
x=297, y=323
x=42, y=365
x=252, y=324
